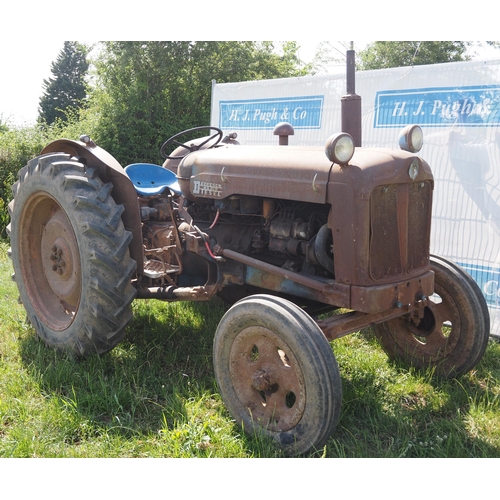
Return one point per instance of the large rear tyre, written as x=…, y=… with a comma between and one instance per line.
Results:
x=454, y=332
x=277, y=373
x=69, y=250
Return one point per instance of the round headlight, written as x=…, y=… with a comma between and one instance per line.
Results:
x=339, y=148
x=411, y=139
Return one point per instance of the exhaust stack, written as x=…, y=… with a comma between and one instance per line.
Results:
x=351, y=102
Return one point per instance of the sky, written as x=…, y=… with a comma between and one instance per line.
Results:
x=27, y=66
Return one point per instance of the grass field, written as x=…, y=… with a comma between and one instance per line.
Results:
x=155, y=395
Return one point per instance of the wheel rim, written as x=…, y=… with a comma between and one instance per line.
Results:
x=267, y=379
x=438, y=332
x=50, y=259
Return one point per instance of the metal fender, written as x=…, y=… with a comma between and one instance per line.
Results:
x=109, y=170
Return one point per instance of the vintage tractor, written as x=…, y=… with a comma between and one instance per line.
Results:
x=284, y=233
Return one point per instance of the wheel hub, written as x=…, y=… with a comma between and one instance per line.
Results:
x=58, y=250
x=267, y=379
x=262, y=380
x=50, y=259
x=56, y=257
x=426, y=325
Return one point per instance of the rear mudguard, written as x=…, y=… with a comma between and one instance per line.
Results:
x=109, y=170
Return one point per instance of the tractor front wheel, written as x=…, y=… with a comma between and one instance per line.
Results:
x=452, y=335
x=277, y=373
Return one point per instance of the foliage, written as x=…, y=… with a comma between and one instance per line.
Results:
x=144, y=93
x=4, y=126
x=154, y=395
x=329, y=54
x=66, y=89
x=393, y=54
x=17, y=146
x=149, y=91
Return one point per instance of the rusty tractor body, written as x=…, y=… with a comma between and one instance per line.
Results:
x=284, y=233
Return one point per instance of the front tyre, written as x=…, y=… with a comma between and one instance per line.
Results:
x=277, y=374
x=70, y=255
x=453, y=334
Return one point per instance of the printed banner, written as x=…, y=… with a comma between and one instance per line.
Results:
x=458, y=107
x=438, y=107
x=301, y=112
x=488, y=280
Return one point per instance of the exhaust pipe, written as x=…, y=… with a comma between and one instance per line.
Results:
x=351, y=102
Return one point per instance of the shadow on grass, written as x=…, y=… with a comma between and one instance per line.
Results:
x=392, y=410
x=158, y=381
x=142, y=385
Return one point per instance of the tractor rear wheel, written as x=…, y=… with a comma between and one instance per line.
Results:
x=69, y=250
x=277, y=374
x=453, y=334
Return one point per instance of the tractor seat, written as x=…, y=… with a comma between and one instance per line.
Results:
x=149, y=179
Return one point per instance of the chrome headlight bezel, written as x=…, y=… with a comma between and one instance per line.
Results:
x=411, y=139
x=339, y=148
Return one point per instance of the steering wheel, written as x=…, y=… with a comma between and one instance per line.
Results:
x=193, y=146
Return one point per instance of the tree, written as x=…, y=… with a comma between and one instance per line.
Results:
x=147, y=91
x=66, y=89
x=395, y=54
x=329, y=55
x=3, y=124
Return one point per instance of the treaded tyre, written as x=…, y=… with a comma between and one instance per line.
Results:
x=454, y=332
x=70, y=254
x=277, y=374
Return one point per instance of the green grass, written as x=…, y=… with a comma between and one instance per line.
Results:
x=155, y=395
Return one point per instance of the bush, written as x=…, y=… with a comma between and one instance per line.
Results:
x=19, y=145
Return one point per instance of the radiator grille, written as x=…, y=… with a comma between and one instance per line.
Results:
x=390, y=254
x=418, y=224
x=385, y=253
